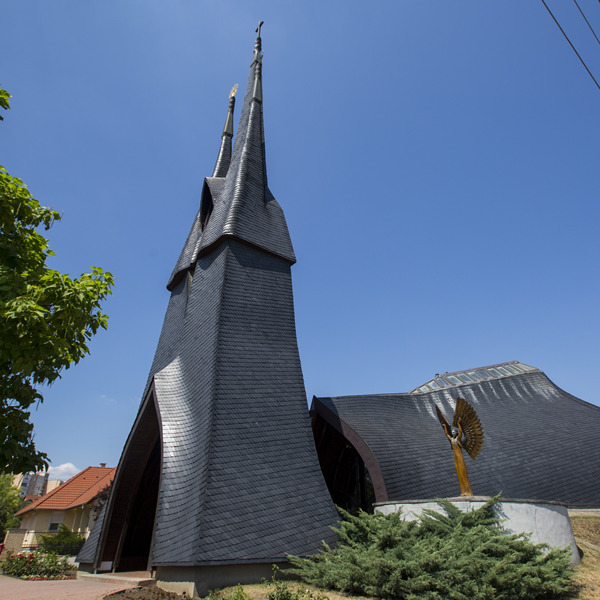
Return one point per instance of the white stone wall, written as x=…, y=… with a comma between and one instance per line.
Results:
x=546, y=522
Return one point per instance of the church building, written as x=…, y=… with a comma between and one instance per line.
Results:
x=222, y=475
x=219, y=477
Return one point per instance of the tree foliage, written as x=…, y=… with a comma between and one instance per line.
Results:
x=46, y=319
x=10, y=503
x=100, y=500
x=454, y=556
x=4, y=101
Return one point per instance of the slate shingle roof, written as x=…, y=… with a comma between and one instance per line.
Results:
x=240, y=205
x=240, y=479
x=88, y=551
x=80, y=489
x=540, y=442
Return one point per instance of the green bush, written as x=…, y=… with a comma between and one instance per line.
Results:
x=34, y=565
x=453, y=556
x=64, y=542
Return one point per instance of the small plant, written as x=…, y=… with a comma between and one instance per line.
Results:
x=36, y=565
x=237, y=594
x=64, y=542
x=280, y=590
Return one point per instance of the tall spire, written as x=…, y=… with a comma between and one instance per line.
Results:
x=249, y=155
x=245, y=207
x=226, y=368
x=224, y=158
x=257, y=63
x=258, y=43
x=236, y=200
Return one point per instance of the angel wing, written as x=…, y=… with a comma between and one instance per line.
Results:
x=443, y=421
x=467, y=418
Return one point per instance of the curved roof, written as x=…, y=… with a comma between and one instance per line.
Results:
x=540, y=442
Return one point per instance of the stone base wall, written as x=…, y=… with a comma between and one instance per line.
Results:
x=13, y=541
x=86, y=567
x=197, y=581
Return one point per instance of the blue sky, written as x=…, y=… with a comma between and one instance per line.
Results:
x=437, y=164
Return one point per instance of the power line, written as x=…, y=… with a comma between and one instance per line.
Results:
x=588, y=23
x=570, y=44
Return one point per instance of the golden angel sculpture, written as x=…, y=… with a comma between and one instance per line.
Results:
x=465, y=432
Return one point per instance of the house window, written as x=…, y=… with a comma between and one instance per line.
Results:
x=56, y=518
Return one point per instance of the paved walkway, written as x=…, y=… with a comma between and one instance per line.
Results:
x=70, y=589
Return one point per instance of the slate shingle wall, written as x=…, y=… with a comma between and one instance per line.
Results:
x=264, y=480
x=184, y=392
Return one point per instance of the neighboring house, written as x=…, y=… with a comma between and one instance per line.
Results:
x=71, y=504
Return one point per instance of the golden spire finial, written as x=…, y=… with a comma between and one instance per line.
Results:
x=233, y=91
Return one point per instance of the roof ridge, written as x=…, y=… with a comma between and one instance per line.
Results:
x=109, y=471
x=474, y=375
x=500, y=364
x=520, y=368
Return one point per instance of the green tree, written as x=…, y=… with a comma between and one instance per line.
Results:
x=10, y=503
x=46, y=317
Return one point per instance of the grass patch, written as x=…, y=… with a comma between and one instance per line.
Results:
x=260, y=591
x=587, y=575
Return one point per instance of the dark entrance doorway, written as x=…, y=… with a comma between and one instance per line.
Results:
x=345, y=474
x=140, y=526
x=131, y=511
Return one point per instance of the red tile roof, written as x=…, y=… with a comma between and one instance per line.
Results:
x=80, y=489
